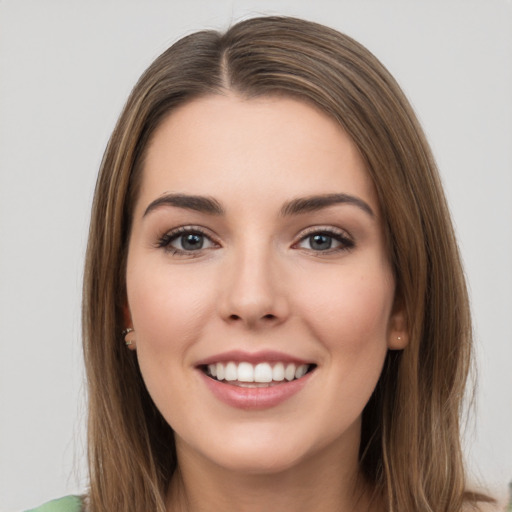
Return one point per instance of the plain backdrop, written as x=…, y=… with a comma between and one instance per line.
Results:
x=66, y=68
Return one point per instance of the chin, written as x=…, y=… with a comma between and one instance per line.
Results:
x=258, y=461
x=264, y=449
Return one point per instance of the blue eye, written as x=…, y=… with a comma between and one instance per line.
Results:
x=320, y=242
x=190, y=241
x=326, y=241
x=185, y=240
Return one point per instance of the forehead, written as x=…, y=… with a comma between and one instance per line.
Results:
x=265, y=147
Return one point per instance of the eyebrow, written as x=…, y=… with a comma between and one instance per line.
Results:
x=197, y=203
x=315, y=203
x=209, y=205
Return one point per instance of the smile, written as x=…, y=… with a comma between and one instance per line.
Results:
x=255, y=380
x=265, y=374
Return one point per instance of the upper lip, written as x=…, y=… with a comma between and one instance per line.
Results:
x=264, y=356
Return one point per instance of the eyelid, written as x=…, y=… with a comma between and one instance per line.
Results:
x=164, y=241
x=341, y=235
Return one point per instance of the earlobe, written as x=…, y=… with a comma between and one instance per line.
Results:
x=398, y=333
x=129, y=338
x=398, y=341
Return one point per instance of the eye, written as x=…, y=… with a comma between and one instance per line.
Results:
x=186, y=240
x=325, y=240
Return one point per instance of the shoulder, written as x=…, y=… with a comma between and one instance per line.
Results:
x=66, y=504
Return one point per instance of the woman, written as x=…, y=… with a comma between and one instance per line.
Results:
x=270, y=235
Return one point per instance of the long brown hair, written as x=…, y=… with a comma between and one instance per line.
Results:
x=410, y=449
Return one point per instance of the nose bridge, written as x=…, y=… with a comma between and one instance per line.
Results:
x=252, y=292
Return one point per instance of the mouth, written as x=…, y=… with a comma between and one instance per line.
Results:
x=261, y=375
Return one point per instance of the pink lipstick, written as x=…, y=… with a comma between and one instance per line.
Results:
x=254, y=380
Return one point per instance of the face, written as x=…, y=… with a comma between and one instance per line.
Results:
x=259, y=288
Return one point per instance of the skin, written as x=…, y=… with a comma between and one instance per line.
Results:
x=260, y=283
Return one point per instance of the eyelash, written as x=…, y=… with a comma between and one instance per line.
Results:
x=340, y=236
x=166, y=240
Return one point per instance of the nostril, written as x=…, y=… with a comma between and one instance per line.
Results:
x=269, y=316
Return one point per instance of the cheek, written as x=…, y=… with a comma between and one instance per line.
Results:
x=167, y=308
x=349, y=310
x=169, y=312
x=349, y=315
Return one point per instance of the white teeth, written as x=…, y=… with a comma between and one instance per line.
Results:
x=289, y=373
x=301, y=371
x=245, y=372
x=220, y=371
x=278, y=372
x=230, y=373
x=261, y=373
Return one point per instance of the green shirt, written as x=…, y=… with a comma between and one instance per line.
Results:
x=66, y=504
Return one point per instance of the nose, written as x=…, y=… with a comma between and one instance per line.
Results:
x=251, y=292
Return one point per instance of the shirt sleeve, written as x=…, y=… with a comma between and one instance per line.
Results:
x=66, y=504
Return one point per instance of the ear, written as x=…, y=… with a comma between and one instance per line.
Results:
x=129, y=333
x=398, y=333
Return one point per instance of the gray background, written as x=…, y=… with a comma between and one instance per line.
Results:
x=66, y=68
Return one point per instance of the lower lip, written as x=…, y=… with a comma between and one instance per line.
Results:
x=254, y=398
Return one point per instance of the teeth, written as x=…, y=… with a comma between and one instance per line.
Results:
x=220, y=371
x=260, y=373
x=263, y=373
x=230, y=372
x=289, y=373
x=301, y=371
x=245, y=372
x=278, y=372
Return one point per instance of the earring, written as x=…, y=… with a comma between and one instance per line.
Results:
x=398, y=338
x=125, y=333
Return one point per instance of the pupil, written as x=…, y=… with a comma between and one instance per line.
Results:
x=191, y=241
x=321, y=242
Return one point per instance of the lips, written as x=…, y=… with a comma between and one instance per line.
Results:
x=257, y=380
